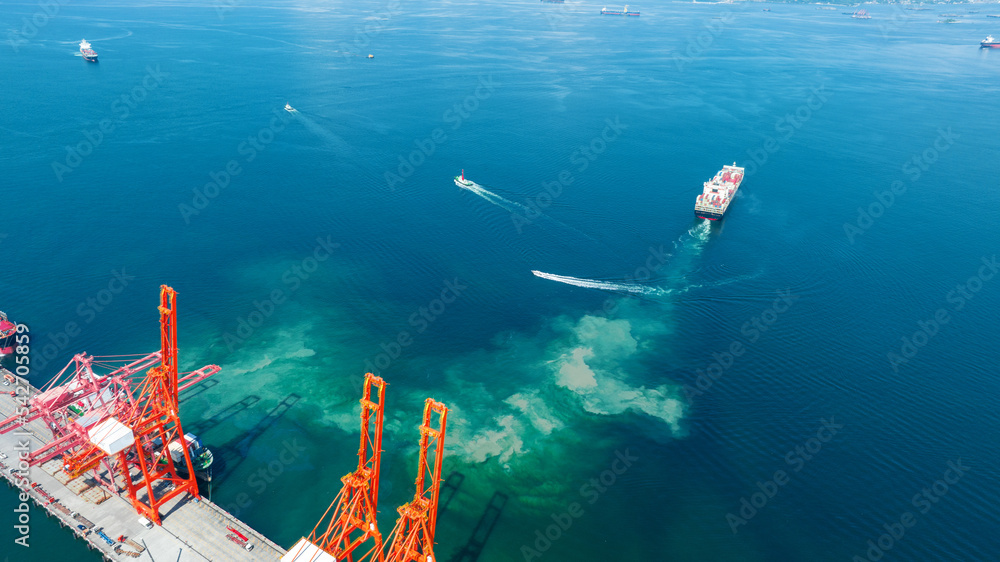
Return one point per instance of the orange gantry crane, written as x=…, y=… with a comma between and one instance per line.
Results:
x=413, y=536
x=354, y=511
x=146, y=433
x=156, y=425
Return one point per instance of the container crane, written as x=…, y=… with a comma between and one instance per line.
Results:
x=412, y=539
x=353, y=513
x=139, y=431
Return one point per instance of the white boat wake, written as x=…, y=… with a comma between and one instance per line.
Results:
x=497, y=200
x=688, y=249
x=315, y=128
x=602, y=285
x=519, y=209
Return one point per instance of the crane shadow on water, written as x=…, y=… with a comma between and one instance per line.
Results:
x=230, y=455
x=202, y=426
x=448, y=490
x=198, y=389
x=473, y=548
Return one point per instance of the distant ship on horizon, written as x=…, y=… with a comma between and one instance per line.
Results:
x=89, y=54
x=623, y=12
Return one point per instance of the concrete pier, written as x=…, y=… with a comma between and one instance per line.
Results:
x=192, y=530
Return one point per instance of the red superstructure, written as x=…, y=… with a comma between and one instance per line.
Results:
x=718, y=193
x=7, y=331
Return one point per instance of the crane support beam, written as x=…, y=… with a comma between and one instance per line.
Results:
x=351, y=520
x=412, y=539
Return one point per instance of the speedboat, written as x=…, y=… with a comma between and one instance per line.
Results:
x=460, y=181
x=288, y=107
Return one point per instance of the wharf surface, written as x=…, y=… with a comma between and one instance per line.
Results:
x=192, y=530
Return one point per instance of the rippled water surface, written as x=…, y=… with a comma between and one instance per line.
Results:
x=658, y=374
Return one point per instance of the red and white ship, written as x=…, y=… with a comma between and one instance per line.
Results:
x=88, y=54
x=7, y=331
x=989, y=43
x=460, y=181
x=718, y=193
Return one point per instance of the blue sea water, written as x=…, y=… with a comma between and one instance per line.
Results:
x=591, y=137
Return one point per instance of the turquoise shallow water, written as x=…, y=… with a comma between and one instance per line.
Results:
x=550, y=384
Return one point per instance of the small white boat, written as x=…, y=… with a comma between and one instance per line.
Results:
x=460, y=181
x=288, y=107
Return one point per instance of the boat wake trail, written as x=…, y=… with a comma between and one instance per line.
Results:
x=497, y=200
x=698, y=233
x=603, y=285
x=686, y=249
x=320, y=131
x=102, y=39
x=519, y=209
